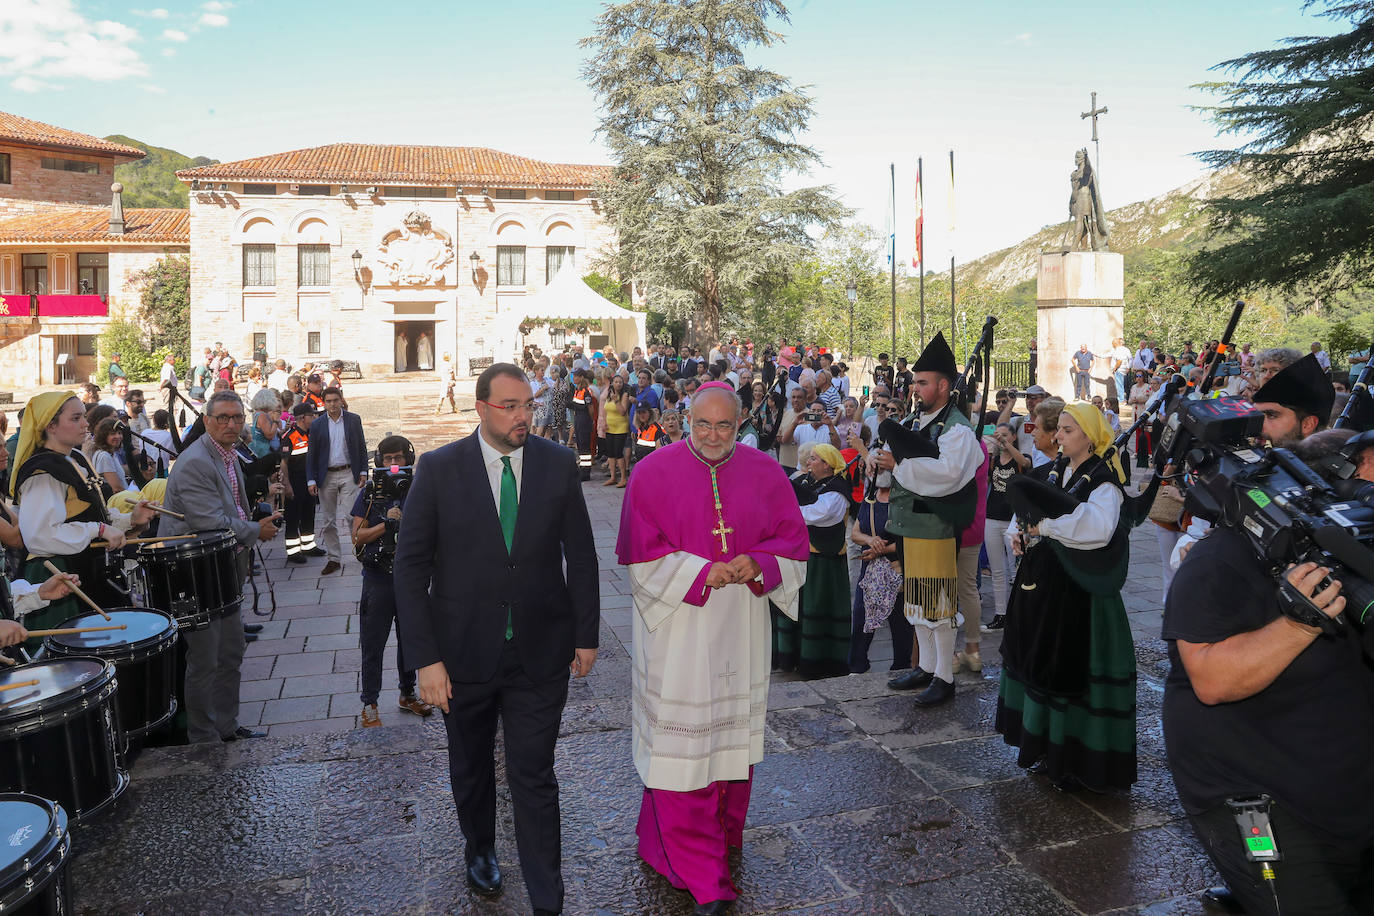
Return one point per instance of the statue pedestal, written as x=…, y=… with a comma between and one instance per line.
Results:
x=1078, y=300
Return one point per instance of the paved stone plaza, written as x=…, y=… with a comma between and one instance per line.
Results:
x=864, y=805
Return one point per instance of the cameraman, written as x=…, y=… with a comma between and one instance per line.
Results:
x=376, y=522
x=1257, y=703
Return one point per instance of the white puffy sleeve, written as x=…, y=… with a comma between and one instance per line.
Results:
x=828, y=509
x=1092, y=524
x=960, y=458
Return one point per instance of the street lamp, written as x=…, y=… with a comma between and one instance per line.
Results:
x=475, y=260
x=852, y=291
x=357, y=259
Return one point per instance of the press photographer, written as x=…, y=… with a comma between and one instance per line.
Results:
x=377, y=516
x=1269, y=704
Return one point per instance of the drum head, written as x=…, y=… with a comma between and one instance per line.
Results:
x=202, y=542
x=58, y=679
x=142, y=626
x=29, y=825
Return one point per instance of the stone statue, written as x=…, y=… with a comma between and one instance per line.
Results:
x=1088, y=224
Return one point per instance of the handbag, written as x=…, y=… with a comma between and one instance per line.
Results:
x=881, y=583
x=1167, y=509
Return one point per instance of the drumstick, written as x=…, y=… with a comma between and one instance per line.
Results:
x=18, y=684
x=63, y=631
x=75, y=589
x=147, y=540
x=162, y=511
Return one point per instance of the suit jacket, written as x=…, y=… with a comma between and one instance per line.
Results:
x=199, y=489
x=455, y=581
x=317, y=458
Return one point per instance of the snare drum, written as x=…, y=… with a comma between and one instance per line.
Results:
x=144, y=656
x=58, y=738
x=194, y=580
x=34, y=844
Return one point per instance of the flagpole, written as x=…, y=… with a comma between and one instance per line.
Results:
x=892, y=240
x=921, y=249
x=953, y=334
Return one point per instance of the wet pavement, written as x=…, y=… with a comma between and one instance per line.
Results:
x=863, y=805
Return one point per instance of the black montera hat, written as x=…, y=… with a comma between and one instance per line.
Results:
x=937, y=357
x=1301, y=386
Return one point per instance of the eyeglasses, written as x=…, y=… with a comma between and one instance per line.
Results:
x=226, y=417
x=526, y=407
x=703, y=427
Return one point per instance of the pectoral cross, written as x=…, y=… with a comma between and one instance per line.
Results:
x=722, y=530
x=728, y=673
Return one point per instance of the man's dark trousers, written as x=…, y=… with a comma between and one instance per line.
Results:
x=530, y=714
x=1316, y=874
x=376, y=612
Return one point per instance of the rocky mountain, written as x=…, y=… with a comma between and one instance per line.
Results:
x=151, y=181
x=1165, y=221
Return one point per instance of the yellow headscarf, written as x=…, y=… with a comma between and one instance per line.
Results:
x=1099, y=433
x=830, y=455
x=38, y=413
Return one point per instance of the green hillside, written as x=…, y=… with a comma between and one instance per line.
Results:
x=151, y=181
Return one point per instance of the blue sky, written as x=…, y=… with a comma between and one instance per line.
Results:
x=1000, y=82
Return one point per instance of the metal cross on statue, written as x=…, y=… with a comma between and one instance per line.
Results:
x=1093, y=112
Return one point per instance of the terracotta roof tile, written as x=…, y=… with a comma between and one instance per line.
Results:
x=141, y=227
x=362, y=163
x=15, y=129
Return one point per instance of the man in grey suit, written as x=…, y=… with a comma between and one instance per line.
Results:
x=206, y=486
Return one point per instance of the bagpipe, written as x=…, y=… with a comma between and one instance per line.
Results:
x=1358, y=413
x=905, y=440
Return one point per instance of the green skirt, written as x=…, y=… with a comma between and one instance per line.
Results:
x=1089, y=736
x=817, y=643
x=57, y=612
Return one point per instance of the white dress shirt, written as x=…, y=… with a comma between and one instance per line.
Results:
x=338, y=441
x=491, y=459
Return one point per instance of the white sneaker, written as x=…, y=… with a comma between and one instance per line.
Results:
x=968, y=661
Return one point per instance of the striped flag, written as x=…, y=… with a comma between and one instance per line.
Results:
x=918, y=256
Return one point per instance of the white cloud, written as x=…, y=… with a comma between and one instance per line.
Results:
x=215, y=6
x=169, y=52
x=27, y=84
x=174, y=35
x=213, y=20
x=151, y=14
x=156, y=90
x=44, y=42
x=1025, y=40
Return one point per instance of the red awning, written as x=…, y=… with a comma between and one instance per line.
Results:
x=56, y=306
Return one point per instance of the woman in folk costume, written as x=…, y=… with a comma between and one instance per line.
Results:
x=61, y=509
x=1067, y=693
x=817, y=643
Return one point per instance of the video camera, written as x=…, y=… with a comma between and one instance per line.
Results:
x=1283, y=508
x=390, y=482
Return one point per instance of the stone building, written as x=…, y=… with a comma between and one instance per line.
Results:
x=68, y=249
x=388, y=255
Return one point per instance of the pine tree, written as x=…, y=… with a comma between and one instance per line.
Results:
x=1305, y=218
x=702, y=142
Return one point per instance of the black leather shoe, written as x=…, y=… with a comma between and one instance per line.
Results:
x=547, y=912
x=252, y=628
x=1221, y=898
x=296, y=558
x=316, y=552
x=714, y=908
x=250, y=637
x=484, y=874
x=243, y=732
x=938, y=692
x=910, y=680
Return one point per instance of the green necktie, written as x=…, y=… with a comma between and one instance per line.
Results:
x=510, y=505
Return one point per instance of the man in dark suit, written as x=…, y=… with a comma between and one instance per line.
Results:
x=335, y=467
x=491, y=623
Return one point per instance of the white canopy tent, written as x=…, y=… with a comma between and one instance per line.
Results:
x=569, y=301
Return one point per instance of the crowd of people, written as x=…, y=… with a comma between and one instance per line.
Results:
x=809, y=512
